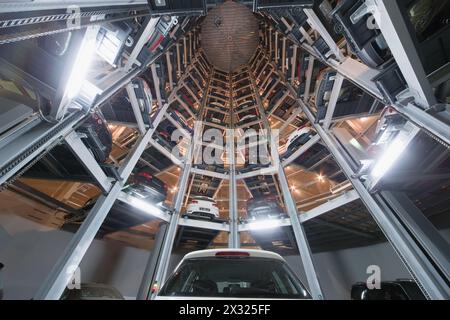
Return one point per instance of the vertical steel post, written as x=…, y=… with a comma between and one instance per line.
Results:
x=308, y=80
x=335, y=93
x=150, y=269
x=164, y=260
x=233, y=239
x=300, y=235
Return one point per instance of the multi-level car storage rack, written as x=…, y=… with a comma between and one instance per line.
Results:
x=277, y=83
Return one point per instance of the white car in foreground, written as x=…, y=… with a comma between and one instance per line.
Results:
x=203, y=207
x=232, y=274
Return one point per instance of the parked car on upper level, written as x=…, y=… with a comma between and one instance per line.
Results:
x=248, y=119
x=144, y=97
x=216, y=117
x=299, y=137
x=164, y=137
x=242, y=106
x=351, y=100
x=98, y=138
x=233, y=274
x=403, y=289
x=219, y=168
x=203, y=207
x=178, y=117
x=145, y=185
x=264, y=207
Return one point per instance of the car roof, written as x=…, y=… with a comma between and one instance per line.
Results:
x=205, y=198
x=301, y=129
x=252, y=252
x=248, y=116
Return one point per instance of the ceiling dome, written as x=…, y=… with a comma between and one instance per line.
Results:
x=229, y=35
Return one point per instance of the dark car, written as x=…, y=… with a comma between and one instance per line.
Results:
x=247, y=119
x=216, y=117
x=92, y=291
x=98, y=138
x=245, y=104
x=253, y=162
x=180, y=119
x=144, y=97
x=164, y=138
x=219, y=168
x=264, y=207
x=146, y=186
x=391, y=290
x=299, y=137
x=351, y=101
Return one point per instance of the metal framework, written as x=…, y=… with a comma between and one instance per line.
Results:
x=417, y=242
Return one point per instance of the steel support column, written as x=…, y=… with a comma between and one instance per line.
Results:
x=335, y=93
x=291, y=207
x=164, y=259
x=149, y=272
x=136, y=109
x=83, y=154
x=234, y=239
x=362, y=75
x=300, y=237
x=63, y=271
x=308, y=80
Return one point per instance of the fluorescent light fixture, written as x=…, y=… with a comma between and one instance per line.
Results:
x=391, y=154
x=356, y=144
x=82, y=63
x=264, y=224
x=143, y=205
x=389, y=157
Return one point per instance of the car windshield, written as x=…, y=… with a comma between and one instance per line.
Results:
x=247, y=277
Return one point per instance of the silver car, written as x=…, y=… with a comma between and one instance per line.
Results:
x=233, y=274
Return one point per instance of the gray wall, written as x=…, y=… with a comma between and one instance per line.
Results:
x=339, y=270
x=29, y=256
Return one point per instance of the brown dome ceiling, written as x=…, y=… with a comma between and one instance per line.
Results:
x=229, y=35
